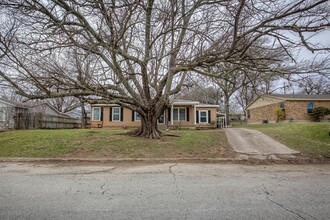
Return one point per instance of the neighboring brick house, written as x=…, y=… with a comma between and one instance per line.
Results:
x=296, y=106
x=181, y=113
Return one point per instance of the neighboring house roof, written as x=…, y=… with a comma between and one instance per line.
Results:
x=301, y=96
x=12, y=103
x=284, y=97
x=41, y=107
x=47, y=109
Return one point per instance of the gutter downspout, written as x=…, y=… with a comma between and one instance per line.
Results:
x=172, y=114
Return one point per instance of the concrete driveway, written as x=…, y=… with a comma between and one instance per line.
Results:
x=251, y=142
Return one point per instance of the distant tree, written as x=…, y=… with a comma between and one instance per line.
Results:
x=314, y=85
x=201, y=89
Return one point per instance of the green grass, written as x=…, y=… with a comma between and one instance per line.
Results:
x=310, y=138
x=111, y=144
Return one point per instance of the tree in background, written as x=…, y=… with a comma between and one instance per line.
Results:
x=314, y=85
x=143, y=50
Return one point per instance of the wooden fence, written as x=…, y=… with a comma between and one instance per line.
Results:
x=42, y=121
x=21, y=118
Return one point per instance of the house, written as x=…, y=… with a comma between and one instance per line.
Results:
x=181, y=113
x=31, y=115
x=294, y=107
x=11, y=113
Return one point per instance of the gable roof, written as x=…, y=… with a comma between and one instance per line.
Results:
x=12, y=103
x=298, y=97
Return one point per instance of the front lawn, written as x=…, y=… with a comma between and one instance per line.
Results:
x=86, y=143
x=310, y=138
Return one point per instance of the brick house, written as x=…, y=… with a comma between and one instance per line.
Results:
x=295, y=106
x=181, y=113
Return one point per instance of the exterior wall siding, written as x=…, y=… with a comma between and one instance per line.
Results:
x=106, y=123
x=127, y=118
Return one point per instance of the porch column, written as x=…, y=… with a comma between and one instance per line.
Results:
x=194, y=115
x=172, y=114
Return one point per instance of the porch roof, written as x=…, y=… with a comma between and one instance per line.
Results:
x=184, y=102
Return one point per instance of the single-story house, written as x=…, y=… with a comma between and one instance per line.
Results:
x=9, y=112
x=180, y=113
x=294, y=106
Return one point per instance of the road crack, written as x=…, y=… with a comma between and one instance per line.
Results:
x=102, y=188
x=266, y=191
x=171, y=172
x=174, y=176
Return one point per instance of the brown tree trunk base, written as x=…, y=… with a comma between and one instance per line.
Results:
x=146, y=133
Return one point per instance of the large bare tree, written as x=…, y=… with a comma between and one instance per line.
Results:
x=144, y=49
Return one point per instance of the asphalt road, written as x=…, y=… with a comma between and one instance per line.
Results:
x=164, y=191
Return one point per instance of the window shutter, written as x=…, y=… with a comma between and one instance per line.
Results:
x=101, y=114
x=169, y=114
x=133, y=115
x=197, y=117
x=110, y=114
x=121, y=114
x=187, y=113
x=209, y=114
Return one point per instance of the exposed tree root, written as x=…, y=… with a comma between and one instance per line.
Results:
x=146, y=133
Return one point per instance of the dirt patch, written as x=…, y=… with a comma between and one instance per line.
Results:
x=169, y=146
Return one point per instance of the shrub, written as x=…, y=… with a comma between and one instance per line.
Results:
x=280, y=115
x=319, y=113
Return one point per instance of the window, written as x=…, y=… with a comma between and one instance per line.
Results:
x=282, y=105
x=161, y=119
x=96, y=114
x=310, y=107
x=116, y=114
x=203, y=116
x=179, y=114
x=248, y=114
x=137, y=116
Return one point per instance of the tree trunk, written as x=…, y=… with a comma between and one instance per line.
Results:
x=83, y=114
x=226, y=103
x=148, y=128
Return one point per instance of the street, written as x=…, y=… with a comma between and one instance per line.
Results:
x=164, y=191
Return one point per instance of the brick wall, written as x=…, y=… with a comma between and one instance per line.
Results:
x=264, y=112
x=293, y=108
x=298, y=109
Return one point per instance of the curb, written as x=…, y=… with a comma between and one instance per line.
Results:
x=124, y=160
x=250, y=161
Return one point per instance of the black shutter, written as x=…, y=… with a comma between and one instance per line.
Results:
x=101, y=113
x=209, y=114
x=169, y=114
x=121, y=114
x=133, y=115
x=187, y=113
x=197, y=117
x=110, y=114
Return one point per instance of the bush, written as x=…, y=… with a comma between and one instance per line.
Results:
x=319, y=113
x=280, y=114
